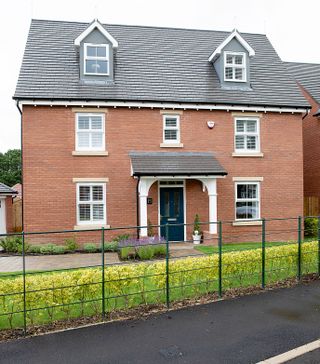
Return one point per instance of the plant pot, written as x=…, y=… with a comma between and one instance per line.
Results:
x=196, y=239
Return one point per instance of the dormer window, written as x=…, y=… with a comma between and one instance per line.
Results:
x=96, y=59
x=235, y=67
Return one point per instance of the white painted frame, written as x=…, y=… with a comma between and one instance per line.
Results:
x=90, y=58
x=3, y=214
x=243, y=66
x=183, y=186
x=78, y=202
x=90, y=149
x=246, y=200
x=164, y=118
x=257, y=135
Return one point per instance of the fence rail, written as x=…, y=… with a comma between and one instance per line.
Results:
x=170, y=273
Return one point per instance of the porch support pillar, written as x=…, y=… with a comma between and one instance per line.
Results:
x=211, y=185
x=144, y=186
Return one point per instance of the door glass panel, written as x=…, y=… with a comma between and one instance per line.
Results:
x=176, y=203
x=166, y=205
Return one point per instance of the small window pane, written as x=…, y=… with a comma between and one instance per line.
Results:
x=101, y=51
x=251, y=142
x=229, y=73
x=97, y=212
x=240, y=126
x=170, y=134
x=84, y=212
x=96, y=122
x=238, y=59
x=238, y=73
x=83, y=140
x=240, y=142
x=102, y=66
x=171, y=122
x=247, y=210
x=251, y=126
x=84, y=193
x=83, y=122
x=229, y=59
x=91, y=51
x=97, y=193
x=96, y=140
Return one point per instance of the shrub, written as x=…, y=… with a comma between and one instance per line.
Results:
x=12, y=244
x=47, y=248
x=90, y=248
x=188, y=277
x=111, y=246
x=196, y=225
x=35, y=249
x=145, y=252
x=59, y=249
x=127, y=253
x=121, y=237
x=311, y=227
x=71, y=244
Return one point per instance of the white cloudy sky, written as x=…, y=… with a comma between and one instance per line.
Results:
x=291, y=25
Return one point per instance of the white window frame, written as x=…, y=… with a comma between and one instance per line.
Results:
x=91, y=202
x=164, y=118
x=90, y=58
x=89, y=149
x=246, y=134
x=258, y=199
x=234, y=66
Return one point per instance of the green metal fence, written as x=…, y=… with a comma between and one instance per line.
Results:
x=271, y=251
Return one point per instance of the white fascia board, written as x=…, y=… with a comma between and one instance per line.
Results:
x=160, y=105
x=96, y=24
x=240, y=39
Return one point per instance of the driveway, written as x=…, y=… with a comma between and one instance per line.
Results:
x=244, y=330
x=65, y=261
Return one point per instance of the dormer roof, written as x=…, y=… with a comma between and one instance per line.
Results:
x=96, y=25
x=240, y=39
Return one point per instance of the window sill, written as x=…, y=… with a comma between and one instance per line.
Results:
x=247, y=223
x=173, y=145
x=247, y=155
x=90, y=153
x=90, y=227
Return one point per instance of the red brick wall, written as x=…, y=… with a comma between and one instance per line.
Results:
x=9, y=215
x=50, y=194
x=311, y=149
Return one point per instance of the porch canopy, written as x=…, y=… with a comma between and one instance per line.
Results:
x=150, y=167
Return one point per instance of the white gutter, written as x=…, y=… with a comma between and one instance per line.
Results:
x=160, y=105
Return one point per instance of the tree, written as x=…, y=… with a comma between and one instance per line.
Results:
x=10, y=167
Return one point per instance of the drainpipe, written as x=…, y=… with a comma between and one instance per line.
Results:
x=306, y=114
x=21, y=163
x=138, y=209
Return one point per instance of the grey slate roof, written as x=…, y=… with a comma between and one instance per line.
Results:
x=151, y=64
x=4, y=189
x=179, y=163
x=308, y=75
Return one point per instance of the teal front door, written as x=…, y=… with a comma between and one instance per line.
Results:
x=172, y=212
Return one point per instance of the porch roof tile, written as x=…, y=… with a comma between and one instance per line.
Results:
x=6, y=190
x=175, y=164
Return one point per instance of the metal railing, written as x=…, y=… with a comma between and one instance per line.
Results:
x=236, y=257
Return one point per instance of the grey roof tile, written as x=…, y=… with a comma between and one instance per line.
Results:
x=151, y=64
x=4, y=189
x=178, y=163
x=308, y=76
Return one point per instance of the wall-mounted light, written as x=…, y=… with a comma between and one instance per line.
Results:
x=210, y=124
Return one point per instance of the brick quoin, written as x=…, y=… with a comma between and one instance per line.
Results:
x=49, y=167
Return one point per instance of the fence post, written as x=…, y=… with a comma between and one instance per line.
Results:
x=299, y=247
x=263, y=254
x=103, y=307
x=319, y=245
x=220, y=258
x=24, y=284
x=167, y=267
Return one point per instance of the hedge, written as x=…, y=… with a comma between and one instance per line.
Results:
x=74, y=293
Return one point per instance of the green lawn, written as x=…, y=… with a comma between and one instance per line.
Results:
x=235, y=247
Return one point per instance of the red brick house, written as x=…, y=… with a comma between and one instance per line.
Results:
x=308, y=77
x=6, y=215
x=122, y=124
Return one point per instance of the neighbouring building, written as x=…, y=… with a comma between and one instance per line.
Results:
x=308, y=77
x=125, y=124
x=6, y=214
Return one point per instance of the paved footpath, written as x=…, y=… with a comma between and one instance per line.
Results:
x=244, y=330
